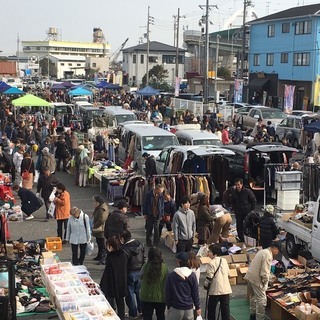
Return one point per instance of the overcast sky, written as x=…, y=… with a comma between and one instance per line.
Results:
x=118, y=19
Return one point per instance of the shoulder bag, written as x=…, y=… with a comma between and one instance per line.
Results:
x=207, y=281
x=26, y=174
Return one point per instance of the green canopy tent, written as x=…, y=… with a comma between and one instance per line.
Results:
x=29, y=100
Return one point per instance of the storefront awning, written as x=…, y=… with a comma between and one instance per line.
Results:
x=258, y=83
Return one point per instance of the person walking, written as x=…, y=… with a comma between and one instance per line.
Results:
x=114, y=279
x=62, y=153
x=219, y=289
x=78, y=234
x=184, y=226
x=268, y=228
x=46, y=183
x=47, y=160
x=153, y=211
x=243, y=202
x=30, y=203
x=182, y=291
x=84, y=165
x=27, y=171
x=99, y=217
x=62, y=211
x=257, y=278
x=134, y=250
x=154, y=275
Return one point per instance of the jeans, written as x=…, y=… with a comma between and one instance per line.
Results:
x=152, y=224
x=60, y=223
x=74, y=247
x=118, y=304
x=149, y=307
x=239, y=220
x=184, y=245
x=224, y=307
x=177, y=314
x=133, y=298
x=101, y=247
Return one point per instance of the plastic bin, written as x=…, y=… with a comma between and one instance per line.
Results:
x=54, y=243
x=294, y=185
x=286, y=176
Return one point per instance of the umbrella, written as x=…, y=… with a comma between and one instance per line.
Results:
x=14, y=91
x=57, y=87
x=67, y=84
x=29, y=100
x=4, y=86
x=80, y=92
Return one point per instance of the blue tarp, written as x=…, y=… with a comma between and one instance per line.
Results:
x=14, y=91
x=148, y=91
x=80, y=92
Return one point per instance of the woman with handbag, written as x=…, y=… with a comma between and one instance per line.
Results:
x=99, y=217
x=27, y=171
x=217, y=284
x=78, y=234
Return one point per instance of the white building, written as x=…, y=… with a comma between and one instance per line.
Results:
x=135, y=58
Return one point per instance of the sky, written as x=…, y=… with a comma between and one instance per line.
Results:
x=118, y=19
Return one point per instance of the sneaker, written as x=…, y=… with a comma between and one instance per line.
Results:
x=30, y=217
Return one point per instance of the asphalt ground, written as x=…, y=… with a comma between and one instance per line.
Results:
x=82, y=198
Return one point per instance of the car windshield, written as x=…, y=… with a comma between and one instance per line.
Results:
x=125, y=117
x=63, y=109
x=207, y=142
x=158, y=142
x=274, y=114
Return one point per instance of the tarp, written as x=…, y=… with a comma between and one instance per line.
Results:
x=80, y=92
x=29, y=100
x=14, y=91
x=58, y=86
x=107, y=85
x=313, y=126
x=4, y=86
x=148, y=91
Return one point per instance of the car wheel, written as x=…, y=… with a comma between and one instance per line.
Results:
x=276, y=139
x=291, y=246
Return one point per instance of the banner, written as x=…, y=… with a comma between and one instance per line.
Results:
x=288, y=98
x=177, y=87
x=238, y=90
x=316, y=95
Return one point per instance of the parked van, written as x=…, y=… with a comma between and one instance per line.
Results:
x=63, y=113
x=143, y=138
x=88, y=113
x=197, y=138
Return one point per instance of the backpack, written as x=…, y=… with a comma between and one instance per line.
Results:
x=251, y=225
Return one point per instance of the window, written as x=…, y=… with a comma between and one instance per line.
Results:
x=284, y=57
x=271, y=30
x=303, y=27
x=134, y=59
x=62, y=64
x=270, y=58
x=70, y=64
x=94, y=64
x=256, y=59
x=78, y=64
x=142, y=58
x=301, y=59
x=286, y=27
x=153, y=59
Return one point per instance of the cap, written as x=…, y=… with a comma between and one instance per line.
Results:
x=182, y=256
x=269, y=208
x=145, y=154
x=276, y=244
x=122, y=204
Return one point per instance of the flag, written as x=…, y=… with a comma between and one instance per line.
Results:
x=288, y=98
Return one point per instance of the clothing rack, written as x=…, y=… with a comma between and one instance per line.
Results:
x=181, y=174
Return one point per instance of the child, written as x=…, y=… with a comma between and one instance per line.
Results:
x=169, y=211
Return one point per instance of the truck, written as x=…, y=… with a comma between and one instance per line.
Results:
x=301, y=235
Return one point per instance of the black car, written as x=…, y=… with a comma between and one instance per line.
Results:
x=256, y=163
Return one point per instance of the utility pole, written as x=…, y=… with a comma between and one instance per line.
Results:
x=216, y=63
x=18, y=56
x=206, y=53
x=150, y=21
x=246, y=3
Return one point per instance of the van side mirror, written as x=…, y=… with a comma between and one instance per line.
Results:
x=158, y=158
x=256, y=116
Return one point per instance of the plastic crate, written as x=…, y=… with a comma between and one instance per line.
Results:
x=294, y=185
x=286, y=176
x=54, y=243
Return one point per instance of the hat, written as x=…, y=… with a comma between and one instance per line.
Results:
x=122, y=204
x=182, y=257
x=276, y=244
x=269, y=208
x=81, y=147
x=145, y=154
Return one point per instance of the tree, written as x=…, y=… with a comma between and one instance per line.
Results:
x=157, y=76
x=223, y=72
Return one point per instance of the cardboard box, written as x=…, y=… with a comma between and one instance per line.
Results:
x=232, y=239
x=239, y=258
x=303, y=316
x=228, y=258
x=48, y=258
x=204, y=263
x=233, y=274
x=242, y=271
x=287, y=216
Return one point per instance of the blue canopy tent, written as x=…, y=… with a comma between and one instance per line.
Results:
x=106, y=85
x=148, y=91
x=80, y=92
x=58, y=86
x=67, y=84
x=14, y=91
x=4, y=87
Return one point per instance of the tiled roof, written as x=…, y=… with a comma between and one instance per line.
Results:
x=153, y=46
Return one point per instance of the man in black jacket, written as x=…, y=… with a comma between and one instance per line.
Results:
x=136, y=258
x=150, y=163
x=243, y=202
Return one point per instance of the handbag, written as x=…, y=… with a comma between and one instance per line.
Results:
x=207, y=281
x=26, y=174
x=52, y=209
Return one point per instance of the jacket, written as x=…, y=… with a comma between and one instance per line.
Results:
x=100, y=215
x=63, y=206
x=115, y=224
x=78, y=229
x=135, y=252
x=204, y=217
x=220, y=284
x=114, y=279
x=182, y=290
x=260, y=268
x=46, y=185
x=268, y=230
x=49, y=161
x=150, y=166
x=27, y=164
x=153, y=291
x=184, y=225
x=147, y=208
x=243, y=201
x=29, y=201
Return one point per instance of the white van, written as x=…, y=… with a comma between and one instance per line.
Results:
x=198, y=138
x=146, y=138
